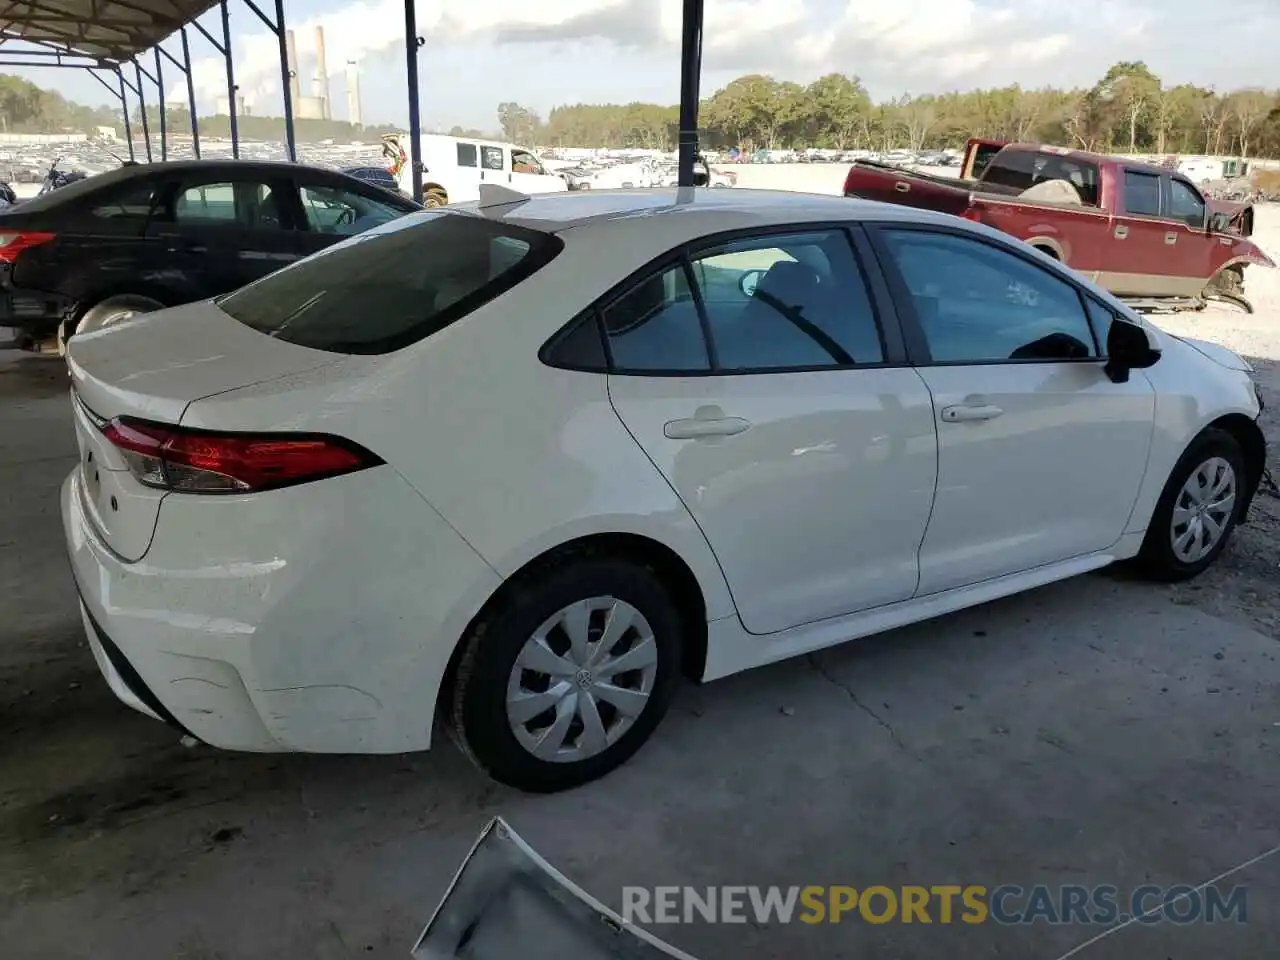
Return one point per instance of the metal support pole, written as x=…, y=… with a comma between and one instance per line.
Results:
x=231, y=80
x=142, y=106
x=191, y=94
x=690, y=78
x=411, y=44
x=124, y=105
x=164, y=121
x=290, y=140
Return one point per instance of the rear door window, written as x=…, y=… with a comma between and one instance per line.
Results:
x=242, y=203
x=397, y=284
x=1141, y=193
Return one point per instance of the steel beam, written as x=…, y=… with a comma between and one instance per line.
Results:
x=191, y=94
x=412, y=43
x=164, y=121
x=142, y=107
x=690, y=79
x=231, y=80
x=124, y=105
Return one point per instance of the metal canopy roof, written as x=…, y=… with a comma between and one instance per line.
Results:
x=114, y=30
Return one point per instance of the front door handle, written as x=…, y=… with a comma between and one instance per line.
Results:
x=1171, y=238
x=697, y=428
x=964, y=414
x=1122, y=232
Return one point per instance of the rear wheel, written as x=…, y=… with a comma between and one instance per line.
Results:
x=105, y=313
x=435, y=197
x=1198, y=509
x=564, y=681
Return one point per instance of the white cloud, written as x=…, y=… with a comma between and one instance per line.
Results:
x=895, y=45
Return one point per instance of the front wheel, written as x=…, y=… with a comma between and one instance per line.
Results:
x=1198, y=509
x=564, y=681
x=434, y=197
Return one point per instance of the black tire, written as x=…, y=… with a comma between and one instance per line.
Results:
x=1157, y=559
x=477, y=708
x=104, y=311
x=435, y=197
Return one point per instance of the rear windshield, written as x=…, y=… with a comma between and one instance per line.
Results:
x=394, y=285
x=1022, y=169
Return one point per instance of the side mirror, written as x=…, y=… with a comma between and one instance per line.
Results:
x=1129, y=347
x=748, y=282
x=1219, y=222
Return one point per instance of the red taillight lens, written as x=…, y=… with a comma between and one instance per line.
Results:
x=13, y=243
x=192, y=461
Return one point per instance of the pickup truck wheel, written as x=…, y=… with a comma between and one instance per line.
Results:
x=1229, y=281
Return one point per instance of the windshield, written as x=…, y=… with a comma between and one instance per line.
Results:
x=394, y=285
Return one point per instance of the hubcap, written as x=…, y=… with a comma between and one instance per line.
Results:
x=1203, y=509
x=582, y=680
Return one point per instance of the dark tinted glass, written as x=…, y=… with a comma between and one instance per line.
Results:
x=977, y=303
x=466, y=154
x=1142, y=193
x=395, y=285
x=656, y=326
x=1186, y=205
x=796, y=300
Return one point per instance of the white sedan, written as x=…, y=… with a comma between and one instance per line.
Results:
x=517, y=466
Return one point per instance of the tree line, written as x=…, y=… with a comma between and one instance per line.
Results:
x=1129, y=109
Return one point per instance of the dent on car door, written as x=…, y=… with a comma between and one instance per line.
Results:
x=1040, y=455
x=800, y=443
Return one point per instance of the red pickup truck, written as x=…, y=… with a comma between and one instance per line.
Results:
x=1142, y=231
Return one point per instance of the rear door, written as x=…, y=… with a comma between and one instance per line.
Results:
x=757, y=380
x=222, y=231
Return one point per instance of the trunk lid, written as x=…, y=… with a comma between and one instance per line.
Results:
x=152, y=368
x=154, y=365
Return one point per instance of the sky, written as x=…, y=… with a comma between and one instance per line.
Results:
x=542, y=53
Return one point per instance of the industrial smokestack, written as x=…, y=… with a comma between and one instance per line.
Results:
x=353, y=93
x=291, y=57
x=322, y=74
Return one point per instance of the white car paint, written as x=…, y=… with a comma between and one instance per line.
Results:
x=457, y=166
x=322, y=617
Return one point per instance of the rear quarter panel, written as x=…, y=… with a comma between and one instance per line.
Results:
x=903, y=187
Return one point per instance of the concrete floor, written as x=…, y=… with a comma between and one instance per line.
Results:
x=1089, y=733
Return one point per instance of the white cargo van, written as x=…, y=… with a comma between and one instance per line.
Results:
x=454, y=168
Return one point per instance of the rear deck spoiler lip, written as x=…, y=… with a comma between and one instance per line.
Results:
x=501, y=865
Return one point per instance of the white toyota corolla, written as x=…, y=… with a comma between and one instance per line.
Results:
x=516, y=467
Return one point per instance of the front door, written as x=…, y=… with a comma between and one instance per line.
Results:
x=765, y=400
x=1193, y=248
x=495, y=165
x=528, y=175
x=1040, y=455
x=225, y=233
x=1143, y=261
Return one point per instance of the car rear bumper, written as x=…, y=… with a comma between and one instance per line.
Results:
x=288, y=621
x=35, y=313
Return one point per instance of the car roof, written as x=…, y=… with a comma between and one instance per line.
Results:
x=700, y=207
x=138, y=171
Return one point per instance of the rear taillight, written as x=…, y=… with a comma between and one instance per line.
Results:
x=13, y=243
x=192, y=461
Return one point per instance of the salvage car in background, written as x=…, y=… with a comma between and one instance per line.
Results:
x=149, y=236
x=1144, y=232
x=519, y=465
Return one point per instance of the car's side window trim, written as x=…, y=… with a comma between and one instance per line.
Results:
x=884, y=313
x=917, y=345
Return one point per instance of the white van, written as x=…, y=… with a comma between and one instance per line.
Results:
x=454, y=168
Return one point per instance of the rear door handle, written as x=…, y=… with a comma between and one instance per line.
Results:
x=902, y=187
x=697, y=428
x=963, y=414
x=1171, y=238
x=1121, y=232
